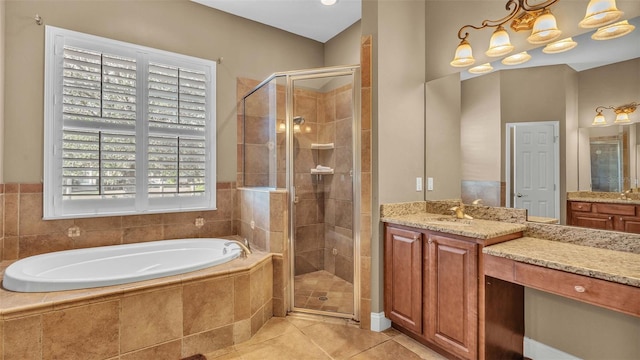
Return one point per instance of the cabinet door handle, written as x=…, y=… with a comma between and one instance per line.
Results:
x=610, y=218
x=579, y=288
x=430, y=241
x=415, y=237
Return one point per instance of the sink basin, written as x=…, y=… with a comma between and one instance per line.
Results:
x=450, y=221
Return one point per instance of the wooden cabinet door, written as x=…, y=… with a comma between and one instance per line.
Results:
x=403, y=278
x=593, y=221
x=453, y=295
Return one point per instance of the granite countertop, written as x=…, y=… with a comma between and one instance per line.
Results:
x=542, y=220
x=476, y=228
x=606, y=200
x=611, y=265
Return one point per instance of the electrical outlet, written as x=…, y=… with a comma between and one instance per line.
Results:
x=430, y=184
x=73, y=231
x=418, y=184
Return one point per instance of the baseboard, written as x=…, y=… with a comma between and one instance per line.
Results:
x=537, y=350
x=379, y=322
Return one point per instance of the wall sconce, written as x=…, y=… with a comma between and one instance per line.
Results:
x=622, y=114
x=537, y=18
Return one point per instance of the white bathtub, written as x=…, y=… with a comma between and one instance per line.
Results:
x=118, y=264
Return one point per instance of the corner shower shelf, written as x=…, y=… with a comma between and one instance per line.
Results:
x=321, y=172
x=326, y=146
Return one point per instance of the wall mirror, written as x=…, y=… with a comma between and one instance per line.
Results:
x=610, y=80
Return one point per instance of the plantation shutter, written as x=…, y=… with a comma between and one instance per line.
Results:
x=177, y=115
x=128, y=129
x=99, y=92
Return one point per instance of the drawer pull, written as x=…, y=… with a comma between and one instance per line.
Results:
x=579, y=288
x=430, y=241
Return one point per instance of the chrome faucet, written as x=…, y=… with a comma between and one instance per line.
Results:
x=246, y=250
x=477, y=202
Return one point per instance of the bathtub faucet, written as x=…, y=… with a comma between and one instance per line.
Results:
x=245, y=248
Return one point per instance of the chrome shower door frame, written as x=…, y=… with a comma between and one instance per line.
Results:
x=292, y=76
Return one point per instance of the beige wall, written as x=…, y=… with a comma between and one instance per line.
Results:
x=249, y=50
x=344, y=48
x=442, y=137
x=397, y=94
x=481, y=129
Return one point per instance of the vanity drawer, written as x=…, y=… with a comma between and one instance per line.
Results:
x=603, y=293
x=580, y=206
x=616, y=209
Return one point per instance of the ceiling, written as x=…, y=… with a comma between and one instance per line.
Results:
x=307, y=18
x=311, y=19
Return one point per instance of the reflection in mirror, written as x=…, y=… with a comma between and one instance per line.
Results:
x=610, y=151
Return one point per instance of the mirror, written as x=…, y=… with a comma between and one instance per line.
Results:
x=593, y=83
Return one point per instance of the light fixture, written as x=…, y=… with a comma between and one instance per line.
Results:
x=560, y=46
x=613, y=31
x=481, y=69
x=524, y=16
x=517, y=59
x=328, y=2
x=545, y=29
x=500, y=44
x=622, y=114
x=464, y=55
x=600, y=13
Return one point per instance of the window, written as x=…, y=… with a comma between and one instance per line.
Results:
x=128, y=129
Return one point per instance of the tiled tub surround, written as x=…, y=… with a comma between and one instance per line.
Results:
x=167, y=318
x=26, y=234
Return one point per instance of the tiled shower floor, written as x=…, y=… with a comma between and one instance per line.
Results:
x=321, y=290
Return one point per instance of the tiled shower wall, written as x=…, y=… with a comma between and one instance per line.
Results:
x=26, y=234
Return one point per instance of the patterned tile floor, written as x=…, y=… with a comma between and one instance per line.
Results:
x=306, y=337
x=321, y=290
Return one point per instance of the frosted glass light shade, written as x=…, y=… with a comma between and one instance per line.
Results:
x=481, y=69
x=463, y=56
x=600, y=13
x=599, y=120
x=500, y=44
x=560, y=46
x=516, y=59
x=545, y=29
x=622, y=118
x=613, y=31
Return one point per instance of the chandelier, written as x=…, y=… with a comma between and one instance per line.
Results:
x=544, y=29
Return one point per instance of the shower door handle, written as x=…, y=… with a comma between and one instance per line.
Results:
x=295, y=196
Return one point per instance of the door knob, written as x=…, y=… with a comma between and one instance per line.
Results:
x=520, y=195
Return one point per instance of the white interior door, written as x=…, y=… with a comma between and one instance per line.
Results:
x=536, y=169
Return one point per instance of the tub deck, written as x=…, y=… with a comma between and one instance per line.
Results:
x=181, y=315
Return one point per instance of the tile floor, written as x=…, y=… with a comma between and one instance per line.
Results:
x=321, y=290
x=307, y=337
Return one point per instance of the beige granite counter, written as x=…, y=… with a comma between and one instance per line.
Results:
x=604, y=197
x=476, y=228
x=542, y=220
x=611, y=265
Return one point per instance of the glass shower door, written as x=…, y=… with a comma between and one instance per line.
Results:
x=323, y=203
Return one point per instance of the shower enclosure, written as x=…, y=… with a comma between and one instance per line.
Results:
x=302, y=136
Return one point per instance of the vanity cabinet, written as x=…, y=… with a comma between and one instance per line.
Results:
x=434, y=291
x=403, y=284
x=604, y=216
x=452, y=275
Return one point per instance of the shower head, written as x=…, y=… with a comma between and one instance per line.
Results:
x=298, y=120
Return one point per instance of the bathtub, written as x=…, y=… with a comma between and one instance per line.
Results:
x=117, y=264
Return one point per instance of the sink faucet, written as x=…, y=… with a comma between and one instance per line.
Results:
x=246, y=250
x=625, y=195
x=477, y=202
x=459, y=212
